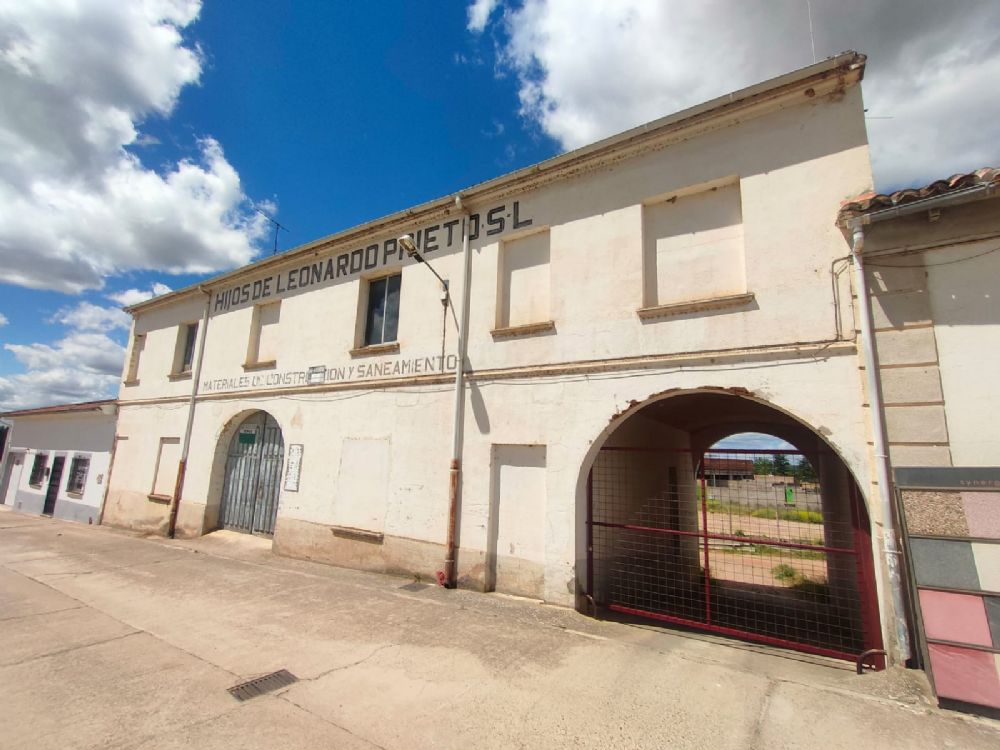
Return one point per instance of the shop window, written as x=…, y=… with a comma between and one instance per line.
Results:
x=262, y=350
x=165, y=473
x=38, y=469
x=135, y=355
x=187, y=337
x=693, y=246
x=382, y=310
x=524, y=282
x=78, y=469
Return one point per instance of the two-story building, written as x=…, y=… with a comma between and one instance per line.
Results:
x=625, y=306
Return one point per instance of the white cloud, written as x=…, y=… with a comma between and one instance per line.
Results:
x=89, y=317
x=75, y=205
x=587, y=70
x=479, y=14
x=3, y=320
x=82, y=366
x=129, y=297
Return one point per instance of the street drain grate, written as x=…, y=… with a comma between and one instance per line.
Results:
x=260, y=685
x=415, y=586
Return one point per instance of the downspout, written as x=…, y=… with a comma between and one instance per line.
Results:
x=175, y=501
x=455, y=477
x=889, y=544
x=107, y=479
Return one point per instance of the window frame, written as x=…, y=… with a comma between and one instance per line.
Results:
x=39, y=466
x=187, y=345
x=366, y=340
x=74, y=466
x=253, y=361
x=134, y=358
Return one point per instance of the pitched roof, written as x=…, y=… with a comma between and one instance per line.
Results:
x=871, y=201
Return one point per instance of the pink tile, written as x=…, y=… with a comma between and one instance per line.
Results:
x=965, y=675
x=955, y=617
x=982, y=513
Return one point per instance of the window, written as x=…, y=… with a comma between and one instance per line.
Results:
x=167, y=459
x=382, y=318
x=187, y=336
x=262, y=350
x=523, y=288
x=693, y=246
x=78, y=474
x=38, y=469
x=138, y=344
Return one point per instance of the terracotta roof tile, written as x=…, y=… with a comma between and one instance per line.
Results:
x=871, y=201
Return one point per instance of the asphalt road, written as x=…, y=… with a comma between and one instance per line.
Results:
x=111, y=641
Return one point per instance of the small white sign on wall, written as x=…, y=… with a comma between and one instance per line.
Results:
x=293, y=468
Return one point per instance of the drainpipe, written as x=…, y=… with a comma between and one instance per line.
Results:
x=889, y=543
x=455, y=477
x=175, y=501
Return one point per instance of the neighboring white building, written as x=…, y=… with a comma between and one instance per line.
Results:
x=630, y=303
x=57, y=460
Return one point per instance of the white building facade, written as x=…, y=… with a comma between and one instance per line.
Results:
x=57, y=460
x=658, y=290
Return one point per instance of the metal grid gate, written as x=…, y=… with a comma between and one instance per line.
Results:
x=253, y=476
x=739, y=542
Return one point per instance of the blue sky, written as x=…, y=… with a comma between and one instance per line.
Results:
x=136, y=138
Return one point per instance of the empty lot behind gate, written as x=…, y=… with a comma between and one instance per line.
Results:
x=115, y=641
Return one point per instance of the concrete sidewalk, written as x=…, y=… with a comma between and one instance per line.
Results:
x=115, y=641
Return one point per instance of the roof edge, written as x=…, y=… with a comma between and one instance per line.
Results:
x=846, y=62
x=83, y=406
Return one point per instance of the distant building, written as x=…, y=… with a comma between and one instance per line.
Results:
x=58, y=460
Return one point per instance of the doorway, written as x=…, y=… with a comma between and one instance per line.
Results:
x=253, y=476
x=52, y=492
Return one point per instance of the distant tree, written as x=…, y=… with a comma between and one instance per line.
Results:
x=764, y=466
x=782, y=467
x=805, y=472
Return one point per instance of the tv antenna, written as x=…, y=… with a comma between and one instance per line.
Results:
x=812, y=36
x=277, y=227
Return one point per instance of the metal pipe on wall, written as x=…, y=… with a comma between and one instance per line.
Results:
x=175, y=500
x=889, y=543
x=455, y=472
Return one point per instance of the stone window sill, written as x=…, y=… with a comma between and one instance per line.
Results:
x=358, y=535
x=175, y=376
x=698, y=305
x=528, y=329
x=158, y=498
x=265, y=365
x=74, y=495
x=369, y=351
x=129, y=383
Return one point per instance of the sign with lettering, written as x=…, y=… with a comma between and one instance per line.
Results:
x=379, y=369
x=248, y=435
x=497, y=220
x=293, y=468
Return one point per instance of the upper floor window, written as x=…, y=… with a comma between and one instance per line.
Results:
x=262, y=349
x=188, y=337
x=78, y=474
x=132, y=372
x=382, y=316
x=38, y=469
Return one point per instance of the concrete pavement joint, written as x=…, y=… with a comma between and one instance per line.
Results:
x=79, y=647
x=283, y=697
x=42, y=614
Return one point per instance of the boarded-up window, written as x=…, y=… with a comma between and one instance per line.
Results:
x=362, y=485
x=167, y=459
x=694, y=247
x=263, y=346
x=516, y=534
x=138, y=344
x=524, y=284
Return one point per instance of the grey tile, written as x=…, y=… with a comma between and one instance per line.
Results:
x=945, y=564
x=993, y=615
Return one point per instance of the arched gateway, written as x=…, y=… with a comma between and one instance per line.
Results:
x=253, y=476
x=750, y=541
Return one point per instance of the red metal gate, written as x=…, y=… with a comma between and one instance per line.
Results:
x=746, y=543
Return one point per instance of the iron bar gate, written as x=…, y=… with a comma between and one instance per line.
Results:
x=745, y=543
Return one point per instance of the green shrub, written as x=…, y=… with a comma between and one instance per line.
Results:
x=785, y=572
